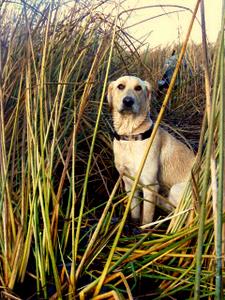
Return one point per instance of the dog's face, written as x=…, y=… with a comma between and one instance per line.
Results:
x=129, y=95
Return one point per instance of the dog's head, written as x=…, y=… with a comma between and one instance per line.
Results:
x=129, y=95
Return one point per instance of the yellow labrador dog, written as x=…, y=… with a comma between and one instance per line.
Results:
x=169, y=161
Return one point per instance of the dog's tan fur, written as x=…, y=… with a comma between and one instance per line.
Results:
x=169, y=161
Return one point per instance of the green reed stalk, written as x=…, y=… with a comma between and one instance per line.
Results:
x=93, y=142
x=43, y=180
x=205, y=184
x=97, y=230
x=73, y=264
x=219, y=233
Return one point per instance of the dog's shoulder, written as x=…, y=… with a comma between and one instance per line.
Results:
x=170, y=141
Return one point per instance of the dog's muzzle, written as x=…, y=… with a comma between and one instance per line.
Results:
x=128, y=104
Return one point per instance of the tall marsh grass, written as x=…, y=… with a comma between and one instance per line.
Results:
x=64, y=227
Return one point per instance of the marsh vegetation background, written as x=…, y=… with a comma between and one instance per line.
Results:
x=65, y=229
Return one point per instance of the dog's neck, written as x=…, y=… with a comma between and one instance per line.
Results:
x=131, y=124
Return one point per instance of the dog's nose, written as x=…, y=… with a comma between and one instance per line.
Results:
x=128, y=101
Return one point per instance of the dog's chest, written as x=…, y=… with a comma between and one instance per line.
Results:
x=128, y=156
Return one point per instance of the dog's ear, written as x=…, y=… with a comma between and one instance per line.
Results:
x=109, y=94
x=148, y=89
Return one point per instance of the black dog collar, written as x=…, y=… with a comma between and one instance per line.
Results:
x=135, y=137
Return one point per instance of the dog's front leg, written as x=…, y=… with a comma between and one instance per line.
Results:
x=135, y=203
x=149, y=204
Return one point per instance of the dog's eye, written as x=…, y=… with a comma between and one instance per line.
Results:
x=138, y=88
x=121, y=86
